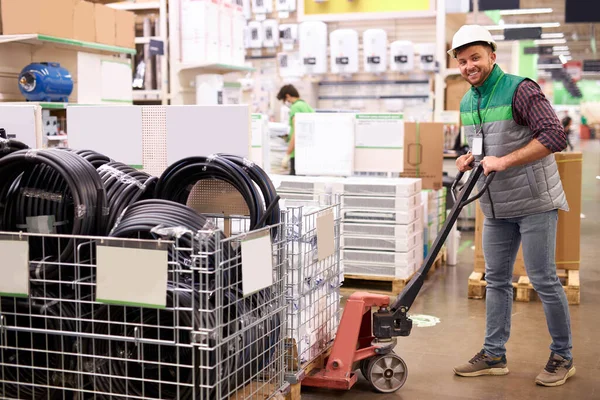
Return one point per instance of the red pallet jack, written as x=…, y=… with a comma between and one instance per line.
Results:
x=366, y=340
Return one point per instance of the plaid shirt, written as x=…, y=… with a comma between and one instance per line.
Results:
x=532, y=109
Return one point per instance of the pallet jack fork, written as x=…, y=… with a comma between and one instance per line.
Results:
x=366, y=339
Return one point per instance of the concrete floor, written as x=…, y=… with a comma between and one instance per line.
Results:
x=431, y=353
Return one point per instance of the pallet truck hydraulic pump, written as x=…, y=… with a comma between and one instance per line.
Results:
x=366, y=339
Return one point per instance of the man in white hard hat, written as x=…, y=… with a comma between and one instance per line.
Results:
x=513, y=130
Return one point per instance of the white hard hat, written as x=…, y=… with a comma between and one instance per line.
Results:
x=471, y=34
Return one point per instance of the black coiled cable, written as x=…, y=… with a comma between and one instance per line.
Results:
x=8, y=146
x=262, y=180
x=52, y=183
x=35, y=359
x=124, y=186
x=178, y=180
x=155, y=219
x=147, y=369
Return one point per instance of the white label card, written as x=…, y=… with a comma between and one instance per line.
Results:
x=14, y=268
x=257, y=263
x=477, y=149
x=132, y=276
x=325, y=235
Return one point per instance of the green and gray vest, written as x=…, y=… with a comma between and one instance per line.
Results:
x=523, y=190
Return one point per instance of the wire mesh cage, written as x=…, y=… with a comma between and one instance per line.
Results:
x=209, y=339
x=313, y=283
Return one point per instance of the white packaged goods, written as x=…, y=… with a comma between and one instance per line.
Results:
x=375, y=50
x=200, y=31
x=313, y=46
x=382, y=217
x=391, y=231
x=402, y=56
x=391, y=187
x=383, y=203
x=225, y=40
x=405, y=244
x=344, y=51
x=427, y=56
x=271, y=32
x=256, y=32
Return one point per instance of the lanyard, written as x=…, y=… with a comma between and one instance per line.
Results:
x=479, y=131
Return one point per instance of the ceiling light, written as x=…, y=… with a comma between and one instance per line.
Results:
x=523, y=11
x=553, y=35
x=516, y=26
x=549, y=41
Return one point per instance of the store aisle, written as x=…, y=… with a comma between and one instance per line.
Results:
x=431, y=353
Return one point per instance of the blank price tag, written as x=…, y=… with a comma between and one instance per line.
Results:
x=257, y=262
x=284, y=14
x=14, y=268
x=260, y=17
x=477, y=149
x=325, y=235
x=132, y=276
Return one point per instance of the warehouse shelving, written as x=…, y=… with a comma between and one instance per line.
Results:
x=39, y=40
x=136, y=6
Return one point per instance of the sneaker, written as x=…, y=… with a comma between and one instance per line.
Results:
x=482, y=364
x=557, y=371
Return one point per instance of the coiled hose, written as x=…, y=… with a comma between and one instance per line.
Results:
x=180, y=177
x=53, y=183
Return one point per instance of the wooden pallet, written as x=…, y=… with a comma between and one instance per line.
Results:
x=524, y=288
x=388, y=285
x=319, y=362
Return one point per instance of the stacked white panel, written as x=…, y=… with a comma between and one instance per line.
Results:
x=382, y=223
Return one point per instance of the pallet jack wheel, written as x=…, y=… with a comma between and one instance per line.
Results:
x=387, y=373
x=364, y=367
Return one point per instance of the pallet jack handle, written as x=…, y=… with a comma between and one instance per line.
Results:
x=393, y=320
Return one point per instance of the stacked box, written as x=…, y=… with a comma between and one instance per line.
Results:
x=382, y=220
x=434, y=216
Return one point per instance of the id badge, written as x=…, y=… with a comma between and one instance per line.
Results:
x=477, y=149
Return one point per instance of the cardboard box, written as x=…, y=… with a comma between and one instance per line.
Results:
x=424, y=153
x=125, y=29
x=84, y=21
x=456, y=87
x=569, y=223
x=46, y=17
x=105, y=25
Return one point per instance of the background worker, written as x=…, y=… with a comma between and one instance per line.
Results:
x=291, y=98
x=512, y=129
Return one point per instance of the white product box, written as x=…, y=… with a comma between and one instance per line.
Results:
x=387, y=187
x=404, y=271
x=387, y=258
x=306, y=184
x=225, y=33
x=382, y=217
x=256, y=34
x=194, y=50
x=271, y=31
x=382, y=242
x=381, y=203
x=387, y=230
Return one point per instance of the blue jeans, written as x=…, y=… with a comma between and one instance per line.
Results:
x=501, y=239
